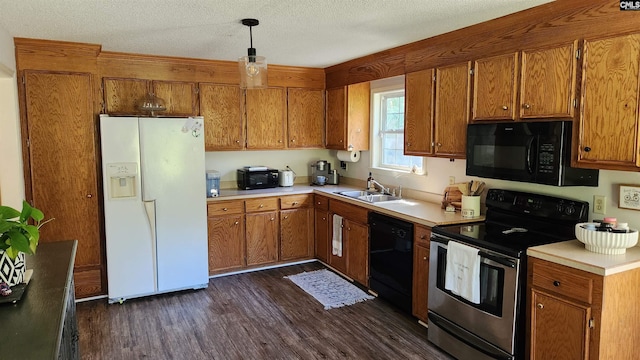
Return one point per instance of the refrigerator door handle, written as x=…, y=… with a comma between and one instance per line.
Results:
x=150, y=210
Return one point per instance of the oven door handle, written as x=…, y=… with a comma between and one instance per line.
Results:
x=498, y=259
x=452, y=331
x=484, y=254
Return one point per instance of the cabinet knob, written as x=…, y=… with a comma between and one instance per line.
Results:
x=505, y=107
x=236, y=223
x=279, y=141
x=438, y=144
x=225, y=209
x=261, y=206
x=237, y=141
x=293, y=140
x=424, y=258
x=408, y=144
x=540, y=306
x=423, y=236
x=295, y=203
x=319, y=203
x=89, y=196
x=340, y=140
x=556, y=283
x=527, y=106
x=587, y=149
x=272, y=219
x=348, y=229
x=324, y=218
x=286, y=216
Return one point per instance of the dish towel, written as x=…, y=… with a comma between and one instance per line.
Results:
x=336, y=242
x=462, y=274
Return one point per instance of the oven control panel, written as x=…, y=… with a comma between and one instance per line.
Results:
x=538, y=205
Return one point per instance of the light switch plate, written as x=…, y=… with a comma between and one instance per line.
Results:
x=599, y=204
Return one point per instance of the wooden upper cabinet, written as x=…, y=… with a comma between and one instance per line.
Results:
x=495, y=88
x=305, y=118
x=221, y=107
x=179, y=97
x=266, y=117
x=452, y=110
x=348, y=117
x=609, y=123
x=122, y=96
x=548, y=84
x=418, y=117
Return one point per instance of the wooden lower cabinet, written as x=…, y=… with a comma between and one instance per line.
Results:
x=226, y=243
x=420, y=290
x=296, y=234
x=262, y=238
x=575, y=314
x=322, y=236
x=354, y=261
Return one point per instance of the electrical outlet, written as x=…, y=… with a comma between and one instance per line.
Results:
x=599, y=204
x=452, y=180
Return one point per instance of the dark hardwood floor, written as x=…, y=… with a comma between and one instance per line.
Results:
x=255, y=315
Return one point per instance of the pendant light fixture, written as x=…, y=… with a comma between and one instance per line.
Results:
x=253, y=69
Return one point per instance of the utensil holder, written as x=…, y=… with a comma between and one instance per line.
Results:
x=470, y=206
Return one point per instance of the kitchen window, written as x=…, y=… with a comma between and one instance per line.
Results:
x=388, y=129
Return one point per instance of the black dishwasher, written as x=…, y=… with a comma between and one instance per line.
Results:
x=391, y=259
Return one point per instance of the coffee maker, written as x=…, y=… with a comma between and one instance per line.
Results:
x=322, y=174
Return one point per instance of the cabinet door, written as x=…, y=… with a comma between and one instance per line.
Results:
x=494, y=88
x=559, y=329
x=226, y=243
x=418, y=117
x=336, y=118
x=452, y=110
x=358, y=251
x=266, y=117
x=305, y=118
x=122, y=96
x=262, y=238
x=609, y=116
x=548, y=85
x=61, y=176
x=296, y=234
x=179, y=97
x=221, y=107
x=358, y=120
x=420, y=282
x=322, y=238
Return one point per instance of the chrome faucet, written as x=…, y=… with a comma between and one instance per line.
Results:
x=383, y=189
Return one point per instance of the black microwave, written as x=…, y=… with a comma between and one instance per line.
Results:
x=535, y=152
x=249, y=179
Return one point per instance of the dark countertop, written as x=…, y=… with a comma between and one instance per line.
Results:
x=32, y=327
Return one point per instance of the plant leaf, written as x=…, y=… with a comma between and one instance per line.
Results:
x=26, y=211
x=7, y=212
x=12, y=253
x=36, y=214
x=5, y=225
x=19, y=242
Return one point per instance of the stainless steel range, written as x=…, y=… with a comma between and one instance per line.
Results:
x=494, y=328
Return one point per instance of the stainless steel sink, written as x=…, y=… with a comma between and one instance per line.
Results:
x=368, y=196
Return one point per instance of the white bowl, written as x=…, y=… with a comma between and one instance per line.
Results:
x=603, y=242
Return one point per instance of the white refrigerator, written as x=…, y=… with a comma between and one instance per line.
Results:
x=154, y=205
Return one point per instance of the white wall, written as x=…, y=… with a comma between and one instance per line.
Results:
x=11, y=178
x=438, y=172
x=227, y=162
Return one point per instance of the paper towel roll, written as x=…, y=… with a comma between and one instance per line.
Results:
x=349, y=156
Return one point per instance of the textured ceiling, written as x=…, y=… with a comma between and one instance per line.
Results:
x=316, y=33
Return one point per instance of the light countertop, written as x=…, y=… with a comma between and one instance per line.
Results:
x=573, y=254
x=416, y=211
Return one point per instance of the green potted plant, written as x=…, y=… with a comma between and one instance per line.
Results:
x=17, y=238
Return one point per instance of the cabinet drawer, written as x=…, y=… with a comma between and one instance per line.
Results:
x=225, y=207
x=421, y=235
x=261, y=204
x=562, y=280
x=349, y=211
x=321, y=202
x=296, y=201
